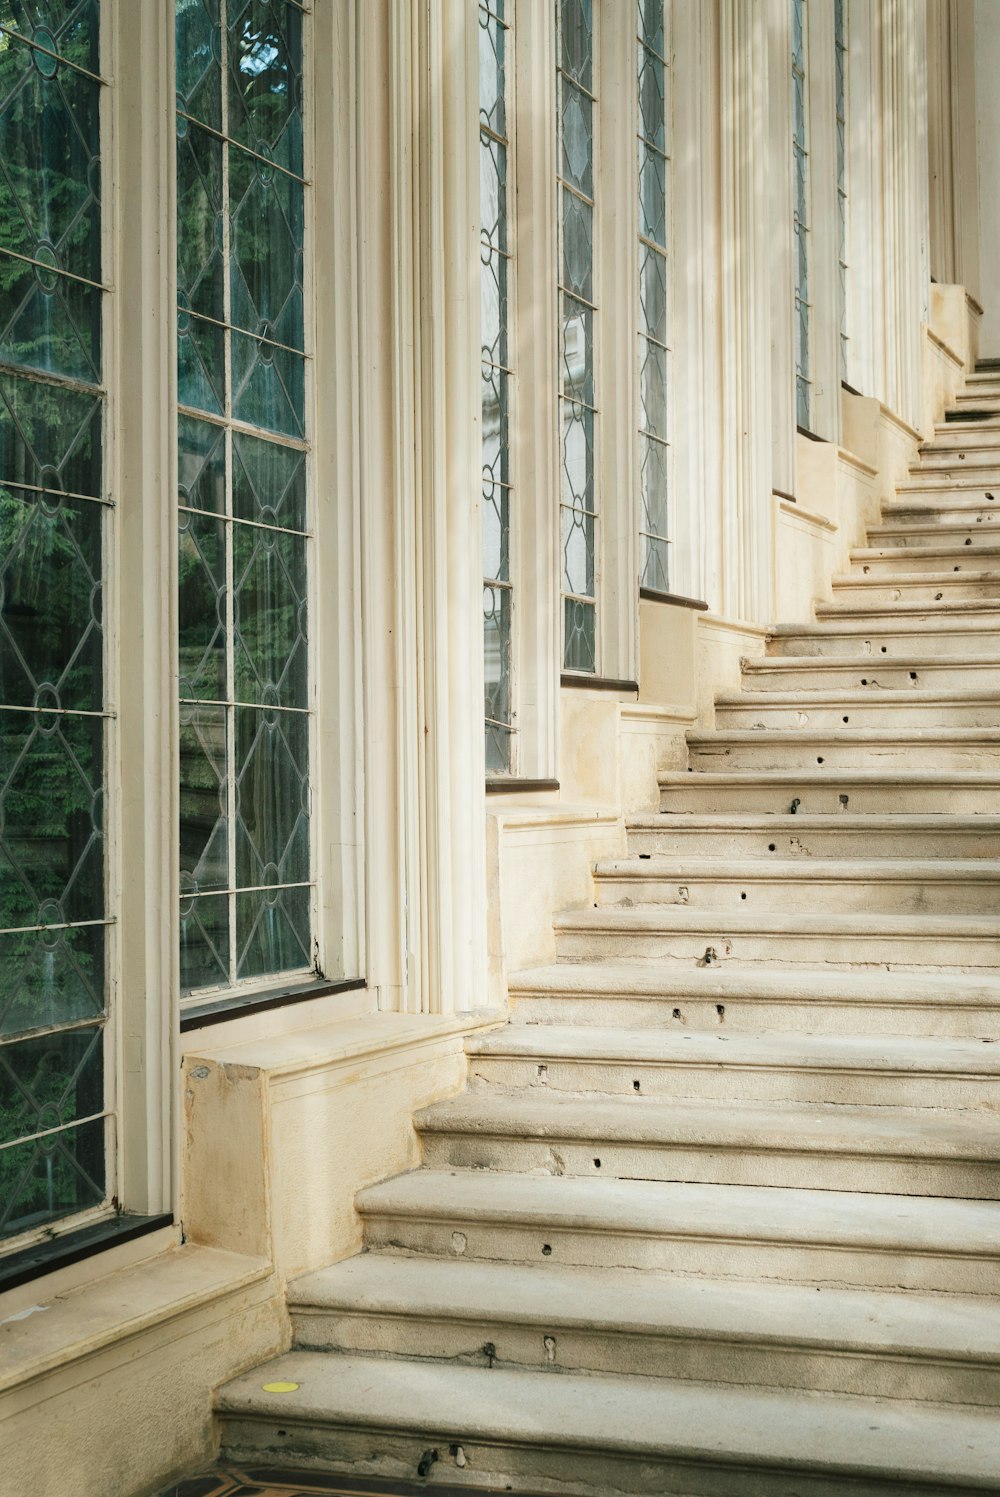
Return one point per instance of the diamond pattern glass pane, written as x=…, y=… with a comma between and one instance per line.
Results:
x=653, y=342
x=494, y=49
x=245, y=718
x=576, y=32
x=578, y=246
x=800, y=160
x=53, y=907
x=580, y=635
x=577, y=139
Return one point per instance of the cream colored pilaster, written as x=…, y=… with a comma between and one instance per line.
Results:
x=824, y=280
x=142, y=594
x=865, y=173
x=746, y=251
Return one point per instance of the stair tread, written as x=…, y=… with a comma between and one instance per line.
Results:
x=708, y=984
x=633, y=1416
x=855, y=821
x=562, y=1298
x=844, y=734
x=849, y=870
x=850, y=775
x=757, y=922
x=762, y=1213
x=918, y=663
x=851, y=698
x=902, y=1054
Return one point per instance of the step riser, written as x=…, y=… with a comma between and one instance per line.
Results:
x=875, y=641
x=952, y=589
x=533, y=1469
x=682, y=1354
x=734, y=1258
x=959, y=618
x=903, y=953
x=851, y=842
x=900, y=715
x=838, y=896
x=950, y=463
x=789, y=754
x=967, y=538
x=880, y=677
x=751, y=1015
x=716, y=1164
x=946, y=510
x=727, y=1083
x=820, y=800
x=885, y=562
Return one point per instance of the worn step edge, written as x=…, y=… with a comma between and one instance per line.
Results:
x=797, y=870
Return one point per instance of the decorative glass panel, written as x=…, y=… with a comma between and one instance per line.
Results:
x=245, y=721
x=54, y=537
x=498, y=593
x=577, y=330
x=654, y=343
x=800, y=160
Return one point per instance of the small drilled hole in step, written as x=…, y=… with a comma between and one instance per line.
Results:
x=546, y=1250
x=968, y=540
x=743, y=894
x=989, y=496
x=913, y=675
x=956, y=569
x=720, y=1009
x=819, y=758
x=884, y=650
x=864, y=681
x=597, y=1164
x=847, y=719
x=770, y=847
x=645, y=856
x=938, y=597
x=635, y=1084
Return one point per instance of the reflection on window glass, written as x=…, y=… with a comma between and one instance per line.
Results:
x=800, y=162
x=54, y=531
x=840, y=24
x=578, y=411
x=246, y=878
x=654, y=328
x=498, y=594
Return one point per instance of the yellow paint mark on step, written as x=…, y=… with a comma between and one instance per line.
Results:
x=280, y=1387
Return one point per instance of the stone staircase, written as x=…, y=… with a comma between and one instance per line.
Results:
x=719, y=1212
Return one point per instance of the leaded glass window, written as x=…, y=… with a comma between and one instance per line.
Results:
x=498, y=593
x=840, y=24
x=56, y=522
x=576, y=173
x=243, y=464
x=654, y=340
x=801, y=211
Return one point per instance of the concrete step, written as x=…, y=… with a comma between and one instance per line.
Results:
x=976, y=506
x=728, y=999
x=780, y=938
x=819, y=791
x=820, y=1146
x=907, y=535
x=716, y=1067
x=873, y=636
x=889, y=561
x=967, y=613
x=705, y=1231
x=873, y=590
x=523, y=1431
x=905, y=710
x=804, y=837
x=941, y=1348
x=963, y=452
x=886, y=675
x=885, y=886
x=976, y=439
x=846, y=748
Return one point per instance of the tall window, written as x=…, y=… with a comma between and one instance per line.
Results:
x=800, y=156
x=243, y=462
x=494, y=143
x=840, y=23
x=654, y=350
x=577, y=327
x=56, y=522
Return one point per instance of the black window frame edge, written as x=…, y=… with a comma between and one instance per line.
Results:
x=238, y=1006
x=66, y=1248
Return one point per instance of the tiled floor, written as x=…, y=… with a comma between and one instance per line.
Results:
x=257, y=1481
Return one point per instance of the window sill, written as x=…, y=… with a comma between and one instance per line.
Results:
x=653, y=595
x=62, y=1251
x=596, y=683
x=511, y=785
x=221, y=1010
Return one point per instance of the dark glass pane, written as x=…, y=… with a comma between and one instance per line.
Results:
x=49, y=1081
x=492, y=71
x=649, y=24
x=653, y=293
x=269, y=483
x=578, y=350
x=271, y=617
x=653, y=475
x=272, y=797
x=201, y=364
x=655, y=571
x=265, y=79
x=71, y=25
x=493, y=310
x=49, y=321
x=202, y=607
x=50, y=977
x=51, y=641
x=266, y=208
x=200, y=222
x=203, y=820
x=273, y=931
x=652, y=102
x=580, y=625
x=653, y=388
x=50, y=437
x=199, y=50
x=496, y=652
x=268, y=386
x=50, y=178
x=577, y=139
x=578, y=246
x=577, y=27
x=201, y=465
x=51, y=819
x=204, y=942
x=52, y=1177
